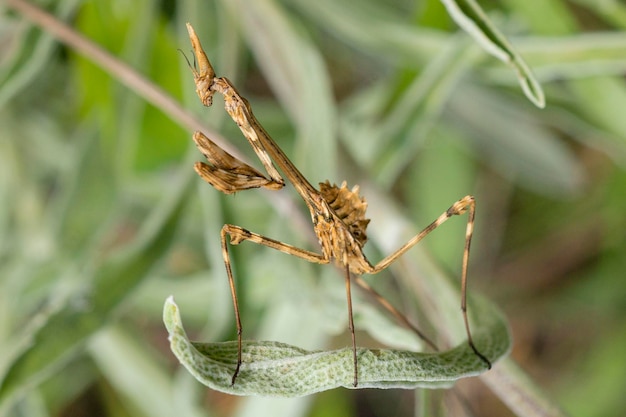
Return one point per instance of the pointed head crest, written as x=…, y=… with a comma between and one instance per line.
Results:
x=204, y=74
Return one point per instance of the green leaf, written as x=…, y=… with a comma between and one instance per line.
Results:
x=277, y=369
x=472, y=19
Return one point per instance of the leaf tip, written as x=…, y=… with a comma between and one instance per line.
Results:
x=171, y=316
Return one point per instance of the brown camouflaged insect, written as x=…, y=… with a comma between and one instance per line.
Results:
x=338, y=213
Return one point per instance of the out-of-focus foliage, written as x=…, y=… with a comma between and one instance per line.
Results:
x=97, y=226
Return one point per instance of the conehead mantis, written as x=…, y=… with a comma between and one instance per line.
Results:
x=337, y=213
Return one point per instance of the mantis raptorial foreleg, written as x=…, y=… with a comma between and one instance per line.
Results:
x=227, y=173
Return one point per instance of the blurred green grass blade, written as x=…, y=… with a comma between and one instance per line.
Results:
x=605, y=368
x=583, y=131
x=65, y=331
x=548, y=17
x=602, y=102
x=386, y=137
x=373, y=27
x=515, y=143
x=419, y=108
x=277, y=369
x=132, y=369
x=578, y=55
x=471, y=18
x=612, y=10
x=32, y=58
x=519, y=392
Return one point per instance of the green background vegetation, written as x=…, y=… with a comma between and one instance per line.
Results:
x=101, y=217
